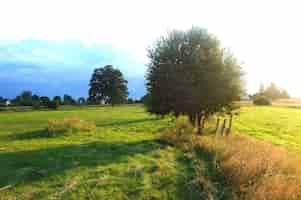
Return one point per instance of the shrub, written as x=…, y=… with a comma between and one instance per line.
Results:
x=181, y=133
x=262, y=101
x=36, y=104
x=68, y=125
x=53, y=105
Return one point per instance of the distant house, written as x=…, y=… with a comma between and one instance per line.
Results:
x=245, y=97
x=7, y=102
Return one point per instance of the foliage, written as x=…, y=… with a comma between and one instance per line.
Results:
x=68, y=100
x=108, y=85
x=68, y=125
x=26, y=98
x=272, y=92
x=44, y=101
x=181, y=133
x=58, y=99
x=130, y=101
x=53, y=105
x=35, y=97
x=261, y=101
x=3, y=101
x=81, y=101
x=189, y=73
x=36, y=104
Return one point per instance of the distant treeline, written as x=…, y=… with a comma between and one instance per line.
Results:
x=272, y=92
x=27, y=98
x=266, y=95
x=107, y=86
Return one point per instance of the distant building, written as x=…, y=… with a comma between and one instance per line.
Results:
x=7, y=102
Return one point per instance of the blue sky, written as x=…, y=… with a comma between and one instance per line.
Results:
x=62, y=67
x=52, y=46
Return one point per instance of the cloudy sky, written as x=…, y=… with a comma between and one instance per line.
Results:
x=51, y=47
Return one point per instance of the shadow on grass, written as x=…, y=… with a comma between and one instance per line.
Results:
x=122, y=122
x=42, y=133
x=221, y=190
x=27, y=135
x=29, y=166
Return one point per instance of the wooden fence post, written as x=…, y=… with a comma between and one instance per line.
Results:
x=230, y=125
x=223, y=127
x=203, y=122
x=217, y=125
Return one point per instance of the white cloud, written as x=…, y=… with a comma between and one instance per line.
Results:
x=265, y=35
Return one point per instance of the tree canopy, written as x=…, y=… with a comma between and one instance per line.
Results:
x=271, y=92
x=108, y=85
x=57, y=99
x=26, y=98
x=68, y=100
x=189, y=73
x=274, y=92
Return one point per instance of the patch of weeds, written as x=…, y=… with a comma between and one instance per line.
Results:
x=68, y=125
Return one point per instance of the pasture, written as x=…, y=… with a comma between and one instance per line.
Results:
x=121, y=159
x=280, y=125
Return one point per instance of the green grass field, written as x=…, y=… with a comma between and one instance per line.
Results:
x=122, y=159
x=280, y=125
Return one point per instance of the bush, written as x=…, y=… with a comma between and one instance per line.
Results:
x=53, y=105
x=181, y=133
x=261, y=101
x=68, y=125
x=36, y=105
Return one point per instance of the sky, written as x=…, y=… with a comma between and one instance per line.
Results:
x=52, y=46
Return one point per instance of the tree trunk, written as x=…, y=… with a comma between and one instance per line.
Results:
x=191, y=119
x=223, y=127
x=217, y=125
x=199, y=126
x=203, y=122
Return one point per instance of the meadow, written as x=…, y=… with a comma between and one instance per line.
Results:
x=122, y=159
x=279, y=125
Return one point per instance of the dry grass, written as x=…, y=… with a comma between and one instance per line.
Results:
x=69, y=125
x=181, y=134
x=292, y=102
x=253, y=169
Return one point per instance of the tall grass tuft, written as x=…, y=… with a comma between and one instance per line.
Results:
x=255, y=169
x=68, y=125
x=181, y=133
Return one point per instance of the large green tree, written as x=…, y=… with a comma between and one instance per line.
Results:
x=26, y=98
x=108, y=85
x=273, y=92
x=189, y=73
x=68, y=100
x=58, y=99
x=44, y=101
